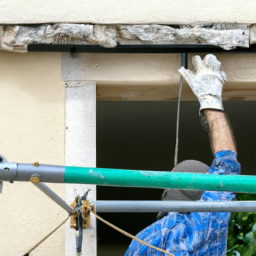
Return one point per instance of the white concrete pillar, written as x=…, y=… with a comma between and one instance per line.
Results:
x=80, y=150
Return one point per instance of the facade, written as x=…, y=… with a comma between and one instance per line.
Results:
x=48, y=100
x=34, y=96
x=127, y=12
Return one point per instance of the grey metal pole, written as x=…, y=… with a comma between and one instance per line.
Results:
x=46, y=190
x=47, y=173
x=174, y=206
x=127, y=178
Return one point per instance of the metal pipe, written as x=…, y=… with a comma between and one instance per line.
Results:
x=155, y=179
x=171, y=48
x=184, y=60
x=47, y=191
x=132, y=178
x=47, y=173
x=174, y=206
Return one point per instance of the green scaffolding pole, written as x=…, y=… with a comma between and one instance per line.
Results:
x=128, y=178
x=157, y=179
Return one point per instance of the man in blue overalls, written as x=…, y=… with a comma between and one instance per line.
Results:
x=198, y=233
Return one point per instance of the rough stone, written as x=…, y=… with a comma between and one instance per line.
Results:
x=227, y=36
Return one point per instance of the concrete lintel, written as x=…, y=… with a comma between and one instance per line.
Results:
x=227, y=36
x=153, y=77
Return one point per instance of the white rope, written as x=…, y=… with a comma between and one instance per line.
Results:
x=177, y=125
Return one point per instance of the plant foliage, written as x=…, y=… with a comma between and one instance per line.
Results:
x=242, y=230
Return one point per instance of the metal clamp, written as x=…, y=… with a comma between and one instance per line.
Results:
x=80, y=219
x=35, y=178
x=8, y=171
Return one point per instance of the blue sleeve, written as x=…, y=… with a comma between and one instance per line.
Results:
x=225, y=162
x=195, y=233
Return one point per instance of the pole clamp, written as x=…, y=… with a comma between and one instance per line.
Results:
x=8, y=171
x=35, y=178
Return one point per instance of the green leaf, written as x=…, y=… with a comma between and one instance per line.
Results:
x=242, y=230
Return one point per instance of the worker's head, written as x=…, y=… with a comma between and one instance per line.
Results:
x=186, y=195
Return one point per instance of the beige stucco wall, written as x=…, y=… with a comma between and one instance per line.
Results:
x=127, y=11
x=32, y=129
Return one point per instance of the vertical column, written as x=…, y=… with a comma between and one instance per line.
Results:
x=80, y=150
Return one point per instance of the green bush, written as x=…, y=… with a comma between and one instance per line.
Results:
x=242, y=230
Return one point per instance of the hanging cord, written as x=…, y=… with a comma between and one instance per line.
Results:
x=106, y=222
x=42, y=240
x=89, y=207
x=177, y=125
x=184, y=63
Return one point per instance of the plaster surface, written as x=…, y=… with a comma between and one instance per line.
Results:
x=127, y=11
x=32, y=129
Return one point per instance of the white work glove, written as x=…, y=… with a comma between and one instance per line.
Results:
x=206, y=82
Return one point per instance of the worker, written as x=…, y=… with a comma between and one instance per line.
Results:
x=198, y=233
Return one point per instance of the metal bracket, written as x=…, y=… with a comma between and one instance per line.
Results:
x=35, y=178
x=8, y=171
x=83, y=212
x=80, y=219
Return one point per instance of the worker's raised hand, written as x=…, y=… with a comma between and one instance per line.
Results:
x=206, y=82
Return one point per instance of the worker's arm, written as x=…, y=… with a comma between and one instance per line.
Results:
x=199, y=233
x=207, y=83
x=220, y=131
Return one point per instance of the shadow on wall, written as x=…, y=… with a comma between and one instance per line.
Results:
x=141, y=135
